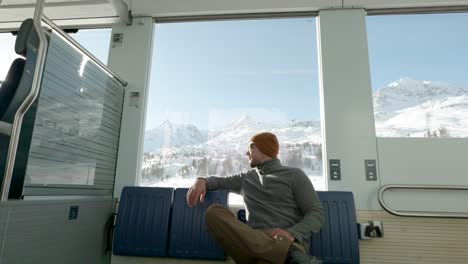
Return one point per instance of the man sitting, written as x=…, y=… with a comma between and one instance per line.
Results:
x=282, y=207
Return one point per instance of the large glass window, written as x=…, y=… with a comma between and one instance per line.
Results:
x=7, y=53
x=419, y=81
x=95, y=41
x=215, y=84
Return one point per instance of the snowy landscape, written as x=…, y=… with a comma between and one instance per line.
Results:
x=412, y=108
x=175, y=154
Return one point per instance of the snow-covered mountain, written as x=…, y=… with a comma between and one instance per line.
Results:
x=299, y=132
x=409, y=107
x=237, y=134
x=175, y=154
x=234, y=136
x=172, y=135
x=406, y=92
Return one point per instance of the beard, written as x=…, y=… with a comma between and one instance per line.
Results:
x=253, y=163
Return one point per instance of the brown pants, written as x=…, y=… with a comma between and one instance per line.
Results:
x=244, y=244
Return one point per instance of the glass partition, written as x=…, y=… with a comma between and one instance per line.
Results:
x=76, y=127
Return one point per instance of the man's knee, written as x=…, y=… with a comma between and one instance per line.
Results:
x=212, y=212
x=216, y=213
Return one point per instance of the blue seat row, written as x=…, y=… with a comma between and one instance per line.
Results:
x=156, y=222
x=337, y=241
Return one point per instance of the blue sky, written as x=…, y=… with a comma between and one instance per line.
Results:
x=268, y=68
x=424, y=47
x=211, y=73
x=96, y=41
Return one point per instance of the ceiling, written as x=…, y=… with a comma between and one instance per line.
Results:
x=92, y=13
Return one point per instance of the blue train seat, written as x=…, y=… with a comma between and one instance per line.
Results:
x=143, y=221
x=189, y=237
x=337, y=241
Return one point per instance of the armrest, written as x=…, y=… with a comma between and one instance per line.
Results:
x=5, y=128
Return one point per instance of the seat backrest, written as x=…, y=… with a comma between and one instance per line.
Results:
x=26, y=45
x=143, y=221
x=337, y=241
x=9, y=86
x=189, y=237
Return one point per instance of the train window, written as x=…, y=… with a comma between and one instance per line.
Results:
x=96, y=41
x=215, y=84
x=419, y=81
x=7, y=53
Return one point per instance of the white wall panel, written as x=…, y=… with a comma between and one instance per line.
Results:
x=131, y=59
x=347, y=113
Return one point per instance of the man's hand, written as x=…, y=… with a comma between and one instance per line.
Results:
x=279, y=231
x=196, y=192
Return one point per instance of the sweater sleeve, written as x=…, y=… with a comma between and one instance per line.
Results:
x=310, y=206
x=232, y=183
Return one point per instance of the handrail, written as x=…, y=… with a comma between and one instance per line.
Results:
x=423, y=187
x=83, y=50
x=16, y=128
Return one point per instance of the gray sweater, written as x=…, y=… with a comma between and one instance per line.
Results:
x=276, y=196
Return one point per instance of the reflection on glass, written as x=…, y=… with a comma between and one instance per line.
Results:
x=96, y=41
x=51, y=172
x=77, y=125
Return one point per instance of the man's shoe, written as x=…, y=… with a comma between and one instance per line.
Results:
x=297, y=255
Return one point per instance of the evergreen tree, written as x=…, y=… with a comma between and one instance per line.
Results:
x=443, y=132
x=318, y=152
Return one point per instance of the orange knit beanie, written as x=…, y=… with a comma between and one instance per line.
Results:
x=267, y=143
